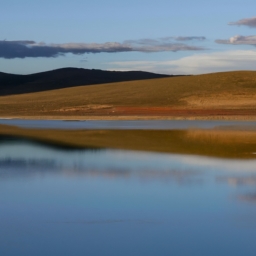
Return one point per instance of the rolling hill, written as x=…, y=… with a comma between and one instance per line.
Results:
x=212, y=95
x=66, y=77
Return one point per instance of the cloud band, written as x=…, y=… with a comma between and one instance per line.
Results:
x=23, y=49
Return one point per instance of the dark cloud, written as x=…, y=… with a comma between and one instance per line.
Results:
x=238, y=40
x=250, y=22
x=23, y=49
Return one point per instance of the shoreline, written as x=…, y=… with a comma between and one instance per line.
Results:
x=133, y=117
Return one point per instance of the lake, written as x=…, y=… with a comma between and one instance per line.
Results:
x=57, y=200
x=129, y=124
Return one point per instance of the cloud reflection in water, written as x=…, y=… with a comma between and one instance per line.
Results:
x=27, y=159
x=94, y=199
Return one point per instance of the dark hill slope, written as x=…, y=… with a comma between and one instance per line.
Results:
x=66, y=77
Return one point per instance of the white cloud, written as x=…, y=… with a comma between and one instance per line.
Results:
x=195, y=64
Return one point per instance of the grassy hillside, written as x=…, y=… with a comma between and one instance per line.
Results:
x=234, y=91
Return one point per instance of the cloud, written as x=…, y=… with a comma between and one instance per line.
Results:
x=238, y=40
x=189, y=38
x=23, y=49
x=250, y=22
x=183, y=38
x=195, y=64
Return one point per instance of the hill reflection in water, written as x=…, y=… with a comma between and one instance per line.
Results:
x=99, y=201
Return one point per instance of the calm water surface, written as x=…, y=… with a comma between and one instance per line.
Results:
x=135, y=124
x=56, y=201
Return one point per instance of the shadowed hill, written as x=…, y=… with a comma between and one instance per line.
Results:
x=65, y=77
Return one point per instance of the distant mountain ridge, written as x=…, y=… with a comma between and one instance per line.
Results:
x=66, y=77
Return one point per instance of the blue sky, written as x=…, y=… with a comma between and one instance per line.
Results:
x=163, y=36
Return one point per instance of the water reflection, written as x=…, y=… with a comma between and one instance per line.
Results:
x=246, y=186
x=130, y=124
x=57, y=201
x=18, y=140
x=238, y=181
x=23, y=158
x=249, y=197
x=233, y=144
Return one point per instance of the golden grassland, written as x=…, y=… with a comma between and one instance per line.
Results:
x=233, y=92
x=213, y=143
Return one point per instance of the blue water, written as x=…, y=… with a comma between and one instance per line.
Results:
x=135, y=124
x=55, y=201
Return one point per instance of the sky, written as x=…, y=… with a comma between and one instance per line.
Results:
x=161, y=36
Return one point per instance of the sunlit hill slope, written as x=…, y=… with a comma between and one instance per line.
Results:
x=227, y=93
